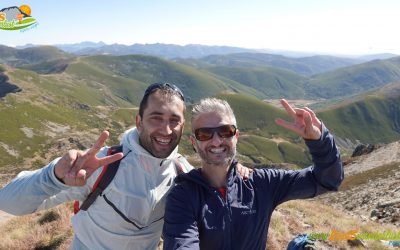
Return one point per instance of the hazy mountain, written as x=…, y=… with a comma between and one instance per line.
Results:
x=31, y=55
x=74, y=47
x=377, y=56
x=305, y=66
x=158, y=49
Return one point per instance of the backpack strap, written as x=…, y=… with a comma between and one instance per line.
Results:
x=106, y=176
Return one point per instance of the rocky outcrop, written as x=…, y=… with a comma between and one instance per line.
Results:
x=363, y=149
x=7, y=87
x=371, y=188
x=387, y=212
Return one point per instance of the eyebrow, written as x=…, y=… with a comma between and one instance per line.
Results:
x=160, y=113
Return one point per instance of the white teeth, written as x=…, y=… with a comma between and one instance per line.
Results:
x=162, y=140
x=217, y=150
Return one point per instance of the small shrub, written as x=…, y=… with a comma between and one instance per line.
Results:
x=48, y=216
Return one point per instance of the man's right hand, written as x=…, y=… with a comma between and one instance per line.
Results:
x=76, y=166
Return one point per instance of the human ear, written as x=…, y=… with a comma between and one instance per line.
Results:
x=192, y=140
x=139, y=123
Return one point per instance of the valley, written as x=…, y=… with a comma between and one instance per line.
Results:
x=64, y=99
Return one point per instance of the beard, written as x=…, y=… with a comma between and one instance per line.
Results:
x=148, y=142
x=208, y=159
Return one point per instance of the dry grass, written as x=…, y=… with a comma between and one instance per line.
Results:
x=308, y=216
x=364, y=177
x=49, y=229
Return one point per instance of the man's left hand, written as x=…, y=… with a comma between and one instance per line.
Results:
x=305, y=124
x=243, y=171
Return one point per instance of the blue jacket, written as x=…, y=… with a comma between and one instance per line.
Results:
x=197, y=217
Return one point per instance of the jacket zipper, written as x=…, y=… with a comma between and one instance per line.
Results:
x=227, y=219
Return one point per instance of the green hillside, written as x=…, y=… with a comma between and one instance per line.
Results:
x=143, y=70
x=97, y=92
x=51, y=109
x=29, y=56
x=355, y=79
x=271, y=82
x=85, y=99
x=370, y=118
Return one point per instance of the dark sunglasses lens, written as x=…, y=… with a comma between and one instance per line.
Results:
x=203, y=134
x=226, y=131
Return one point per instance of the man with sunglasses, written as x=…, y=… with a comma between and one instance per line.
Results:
x=129, y=213
x=214, y=208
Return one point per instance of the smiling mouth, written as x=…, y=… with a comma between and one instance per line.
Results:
x=162, y=141
x=217, y=150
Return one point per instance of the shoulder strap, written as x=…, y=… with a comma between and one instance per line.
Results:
x=107, y=175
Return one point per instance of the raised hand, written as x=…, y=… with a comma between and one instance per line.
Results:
x=305, y=124
x=243, y=171
x=76, y=166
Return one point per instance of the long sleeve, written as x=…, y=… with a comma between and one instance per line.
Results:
x=25, y=193
x=180, y=226
x=35, y=190
x=324, y=175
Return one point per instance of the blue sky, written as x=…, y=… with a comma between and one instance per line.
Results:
x=324, y=26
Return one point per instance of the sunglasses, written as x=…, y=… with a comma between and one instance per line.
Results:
x=170, y=86
x=205, y=134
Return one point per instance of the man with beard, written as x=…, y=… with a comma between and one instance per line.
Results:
x=129, y=213
x=214, y=208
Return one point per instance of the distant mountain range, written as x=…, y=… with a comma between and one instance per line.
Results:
x=171, y=51
x=361, y=100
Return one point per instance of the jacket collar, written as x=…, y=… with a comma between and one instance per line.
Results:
x=197, y=177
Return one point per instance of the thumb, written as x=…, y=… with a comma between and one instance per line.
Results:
x=307, y=120
x=312, y=132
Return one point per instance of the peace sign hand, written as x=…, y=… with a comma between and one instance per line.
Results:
x=305, y=124
x=76, y=166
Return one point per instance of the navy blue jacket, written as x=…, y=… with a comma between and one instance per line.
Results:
x=196, y=215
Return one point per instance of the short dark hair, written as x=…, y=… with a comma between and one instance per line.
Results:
x=167, y=89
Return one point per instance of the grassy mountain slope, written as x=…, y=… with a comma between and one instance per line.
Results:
x=194, y=83
x=33, y=55
x=369, y=118
x=89, y=97
x=271, y=82
x=49, y=110
x=355, y=79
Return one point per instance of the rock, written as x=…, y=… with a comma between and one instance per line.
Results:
x=356, y=243
x=363, y=149
x=388, y=203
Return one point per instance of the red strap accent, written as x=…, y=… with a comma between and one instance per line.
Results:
x=76, y=207
x=76, y=203
x=222, y=191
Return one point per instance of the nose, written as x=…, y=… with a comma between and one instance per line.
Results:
x=166, y=128
x=216, y=140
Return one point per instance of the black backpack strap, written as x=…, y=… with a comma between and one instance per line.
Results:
x=104, y=179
